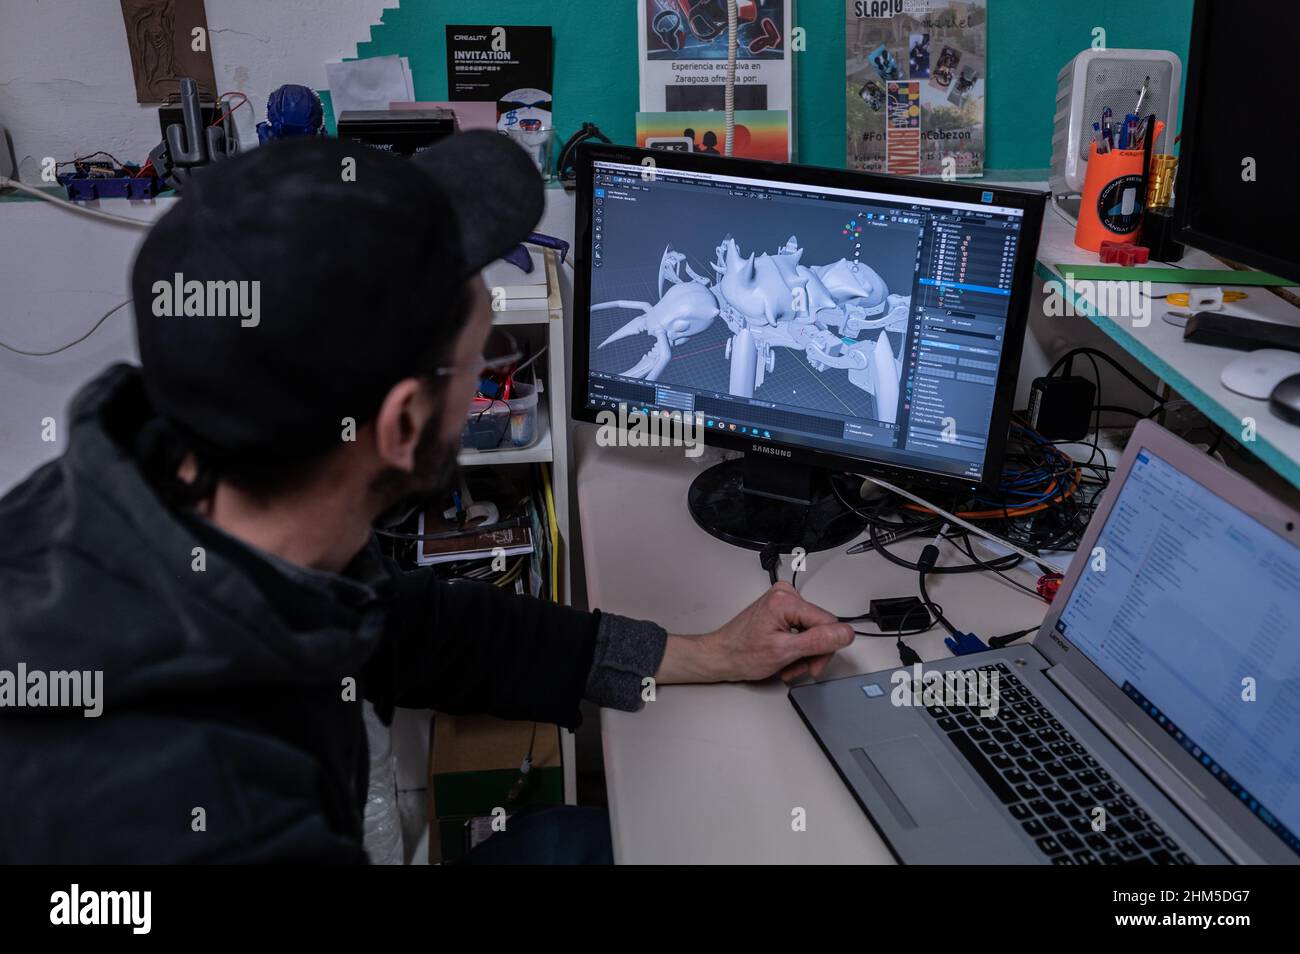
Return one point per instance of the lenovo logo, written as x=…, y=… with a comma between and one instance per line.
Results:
x=774, y=451
x=1059, y=641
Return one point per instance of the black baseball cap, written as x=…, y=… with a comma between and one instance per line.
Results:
x=348, y=265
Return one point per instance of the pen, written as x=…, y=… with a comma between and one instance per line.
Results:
x=1146, y=167
x=1140, y=134
x=1126, y=132
x=1105, y=127
x=1149, y=128
x=891, y=536
x=1142, y=95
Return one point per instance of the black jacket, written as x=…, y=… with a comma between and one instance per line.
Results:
x=231, y=728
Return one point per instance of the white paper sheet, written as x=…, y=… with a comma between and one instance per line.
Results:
x=368, y=84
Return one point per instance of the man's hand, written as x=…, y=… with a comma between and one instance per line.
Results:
x=759, y=642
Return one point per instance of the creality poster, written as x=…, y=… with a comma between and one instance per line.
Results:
x=507, y=65
x=915, y=76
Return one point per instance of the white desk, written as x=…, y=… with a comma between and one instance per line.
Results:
x=712, y=774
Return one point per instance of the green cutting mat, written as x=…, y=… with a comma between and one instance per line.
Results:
x=1171, y=276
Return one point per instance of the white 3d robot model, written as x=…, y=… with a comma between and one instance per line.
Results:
x=773, y=301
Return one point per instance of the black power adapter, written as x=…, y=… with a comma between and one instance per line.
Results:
x=1060, y=409
x=899, y=612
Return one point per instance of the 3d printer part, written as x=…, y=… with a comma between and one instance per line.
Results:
x=519, y=255
x=1048, y=584
x=83, y=187
x=186, y=144
x=189, y=144
x=291, y=110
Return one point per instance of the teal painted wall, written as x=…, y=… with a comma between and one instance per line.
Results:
x=596, y=71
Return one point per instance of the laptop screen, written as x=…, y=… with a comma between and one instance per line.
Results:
x=1192, y=608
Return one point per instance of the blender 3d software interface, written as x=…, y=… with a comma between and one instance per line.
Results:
x=865, y=324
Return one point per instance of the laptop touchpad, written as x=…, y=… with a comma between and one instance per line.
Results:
x=915, y=785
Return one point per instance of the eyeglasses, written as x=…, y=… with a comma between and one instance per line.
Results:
x=500, y=351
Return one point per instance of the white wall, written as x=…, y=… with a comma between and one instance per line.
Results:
x=60, y=271
x=65, y=72
x=65, y=90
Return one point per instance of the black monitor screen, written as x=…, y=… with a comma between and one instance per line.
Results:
x=869, y=325
x=1238, y=192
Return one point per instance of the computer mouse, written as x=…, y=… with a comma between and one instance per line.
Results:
x=1284, y=402
x=1256, y=374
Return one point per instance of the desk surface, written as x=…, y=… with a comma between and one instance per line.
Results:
x=712, y=774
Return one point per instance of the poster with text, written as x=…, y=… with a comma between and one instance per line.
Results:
x=915, y=76
x=506, y=65
x=683, y=58
x=757, y=134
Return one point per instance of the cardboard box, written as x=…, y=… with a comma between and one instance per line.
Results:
x=474, y=763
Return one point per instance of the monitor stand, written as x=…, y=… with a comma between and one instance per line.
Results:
x=754, y=501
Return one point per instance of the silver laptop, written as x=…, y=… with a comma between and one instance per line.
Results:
x=1154, y=719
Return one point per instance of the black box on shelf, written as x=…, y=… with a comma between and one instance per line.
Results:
x=403, y=131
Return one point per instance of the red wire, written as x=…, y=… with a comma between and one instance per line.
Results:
x=233, y=92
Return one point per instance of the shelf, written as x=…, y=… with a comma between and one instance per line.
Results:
x=1190, y=369
x=538, y=452
x=546, y=309
x=522, y=316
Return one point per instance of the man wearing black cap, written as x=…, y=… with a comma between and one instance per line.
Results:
x=311, y=327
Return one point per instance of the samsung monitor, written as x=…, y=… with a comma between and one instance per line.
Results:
x=816, y=319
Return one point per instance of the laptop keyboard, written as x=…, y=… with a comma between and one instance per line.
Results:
x=1051, y=784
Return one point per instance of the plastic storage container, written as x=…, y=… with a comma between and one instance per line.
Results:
x=382, y=832
x=499, y=425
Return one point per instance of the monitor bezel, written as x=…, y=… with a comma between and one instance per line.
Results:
x=1032, y=203
x=1190, y=170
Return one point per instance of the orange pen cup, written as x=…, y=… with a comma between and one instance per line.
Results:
x=1111, y=208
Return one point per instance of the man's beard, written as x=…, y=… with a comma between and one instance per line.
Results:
x=436, y=465
x=435, y=469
